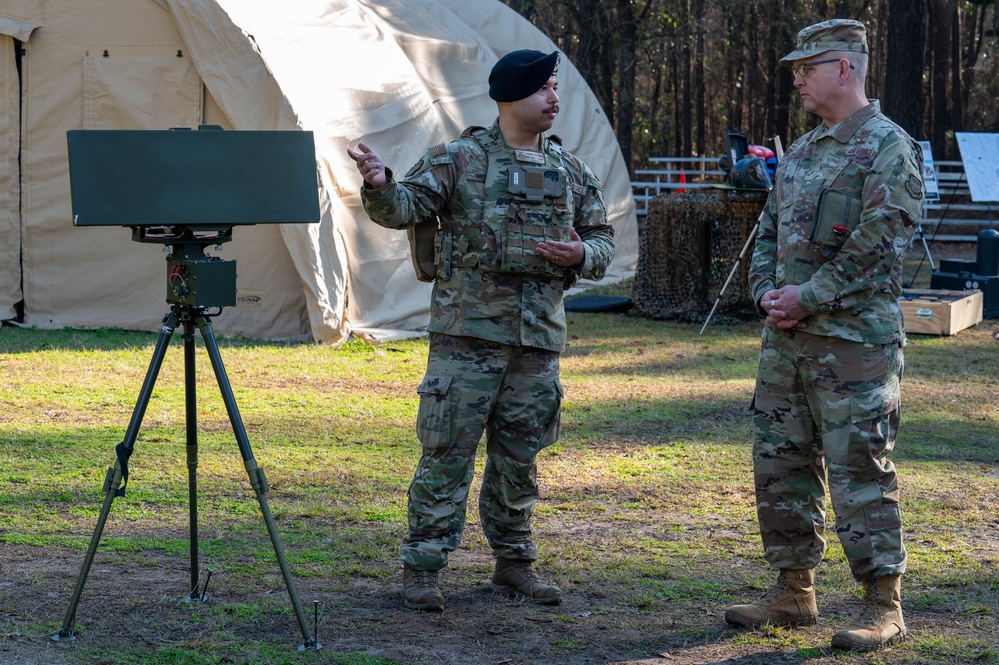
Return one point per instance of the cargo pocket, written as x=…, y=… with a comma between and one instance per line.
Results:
x=433, y=421
x=875, y=404
x=554, y=429
x=884, y=527
x=873, y=422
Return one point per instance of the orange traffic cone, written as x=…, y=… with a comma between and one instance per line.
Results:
x=682, y=181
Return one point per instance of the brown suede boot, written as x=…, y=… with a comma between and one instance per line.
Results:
x=420, y=590
x=518, y=579
x=879, y=623
x=790, y=602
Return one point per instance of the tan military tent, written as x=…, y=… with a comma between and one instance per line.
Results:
x=399, y=74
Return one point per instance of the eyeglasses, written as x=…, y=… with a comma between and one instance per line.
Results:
x=803, y=69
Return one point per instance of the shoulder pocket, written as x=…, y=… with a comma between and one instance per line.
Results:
x=836, y=217
x=439, y=154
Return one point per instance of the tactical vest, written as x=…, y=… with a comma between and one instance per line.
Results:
x=527, y=197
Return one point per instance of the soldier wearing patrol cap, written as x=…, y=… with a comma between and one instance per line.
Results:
x=520, y=220
x=826, y=273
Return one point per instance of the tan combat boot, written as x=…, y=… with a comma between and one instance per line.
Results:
x=420, y=590
x=879, y=623
x=790, y=602
x=517, y=579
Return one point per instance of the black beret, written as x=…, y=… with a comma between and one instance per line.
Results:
x=520, y=74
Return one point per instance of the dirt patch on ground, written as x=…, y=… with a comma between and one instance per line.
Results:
x=136, y=602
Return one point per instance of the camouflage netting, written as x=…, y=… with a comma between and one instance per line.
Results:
x=687, y=247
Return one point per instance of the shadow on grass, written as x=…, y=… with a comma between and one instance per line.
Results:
x=16, y=339
x=728, y=421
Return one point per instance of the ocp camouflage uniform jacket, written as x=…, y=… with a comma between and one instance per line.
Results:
x=845, y=204
x=469, y=297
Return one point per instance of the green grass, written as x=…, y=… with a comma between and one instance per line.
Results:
x=647, y=501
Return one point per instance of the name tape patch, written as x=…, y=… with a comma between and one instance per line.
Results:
x=530, y=157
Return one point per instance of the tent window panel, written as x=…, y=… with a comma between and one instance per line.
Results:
x=126, y=89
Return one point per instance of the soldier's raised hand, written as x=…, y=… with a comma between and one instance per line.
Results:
x=369, y=164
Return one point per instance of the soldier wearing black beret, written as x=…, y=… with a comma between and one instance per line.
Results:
x=521, y=73
x=520, y=219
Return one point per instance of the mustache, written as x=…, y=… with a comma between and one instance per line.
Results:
x=552, y=109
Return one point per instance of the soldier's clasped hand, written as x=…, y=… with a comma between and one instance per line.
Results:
x=566, y=254
x=783, y=309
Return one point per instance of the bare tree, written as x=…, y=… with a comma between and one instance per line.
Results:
x=670, y=74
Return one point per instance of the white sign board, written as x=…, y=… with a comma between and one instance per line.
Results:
x=930, y=183
x=980, y=154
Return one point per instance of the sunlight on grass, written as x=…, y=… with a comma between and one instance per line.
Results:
x=647, y=508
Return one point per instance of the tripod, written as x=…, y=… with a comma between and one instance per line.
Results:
x=186, y=266
x=926, y=247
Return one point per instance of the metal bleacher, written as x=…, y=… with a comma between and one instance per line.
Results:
x=955, y=217
x=665, y=178
x=952, y=218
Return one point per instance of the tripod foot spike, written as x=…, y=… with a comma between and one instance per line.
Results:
x=200, y=596
x=311, y=646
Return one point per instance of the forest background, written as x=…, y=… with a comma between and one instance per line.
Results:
x=673, y=75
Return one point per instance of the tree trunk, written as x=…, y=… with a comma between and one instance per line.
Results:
x=625, y=107
x=677, y=90
x=699, y=82
x=787, y=21
x=956, y=80
x=590, y=57
x=686, y=102
x=940, y=121
x=903, y=101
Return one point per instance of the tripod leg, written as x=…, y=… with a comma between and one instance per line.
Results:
x=256, y=474
x=191, y=421
x=117, y=475
x=926, y=247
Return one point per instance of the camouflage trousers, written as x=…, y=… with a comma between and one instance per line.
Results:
x=827, y=408
x=513, y=395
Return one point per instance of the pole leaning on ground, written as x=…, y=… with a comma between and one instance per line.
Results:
x=779, y=151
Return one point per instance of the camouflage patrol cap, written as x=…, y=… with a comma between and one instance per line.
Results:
x=520, y=74
x=839, y=34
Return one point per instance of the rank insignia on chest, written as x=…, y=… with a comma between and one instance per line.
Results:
x=529, y=157
x=859, y=153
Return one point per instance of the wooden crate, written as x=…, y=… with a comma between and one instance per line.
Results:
x=940, y=312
